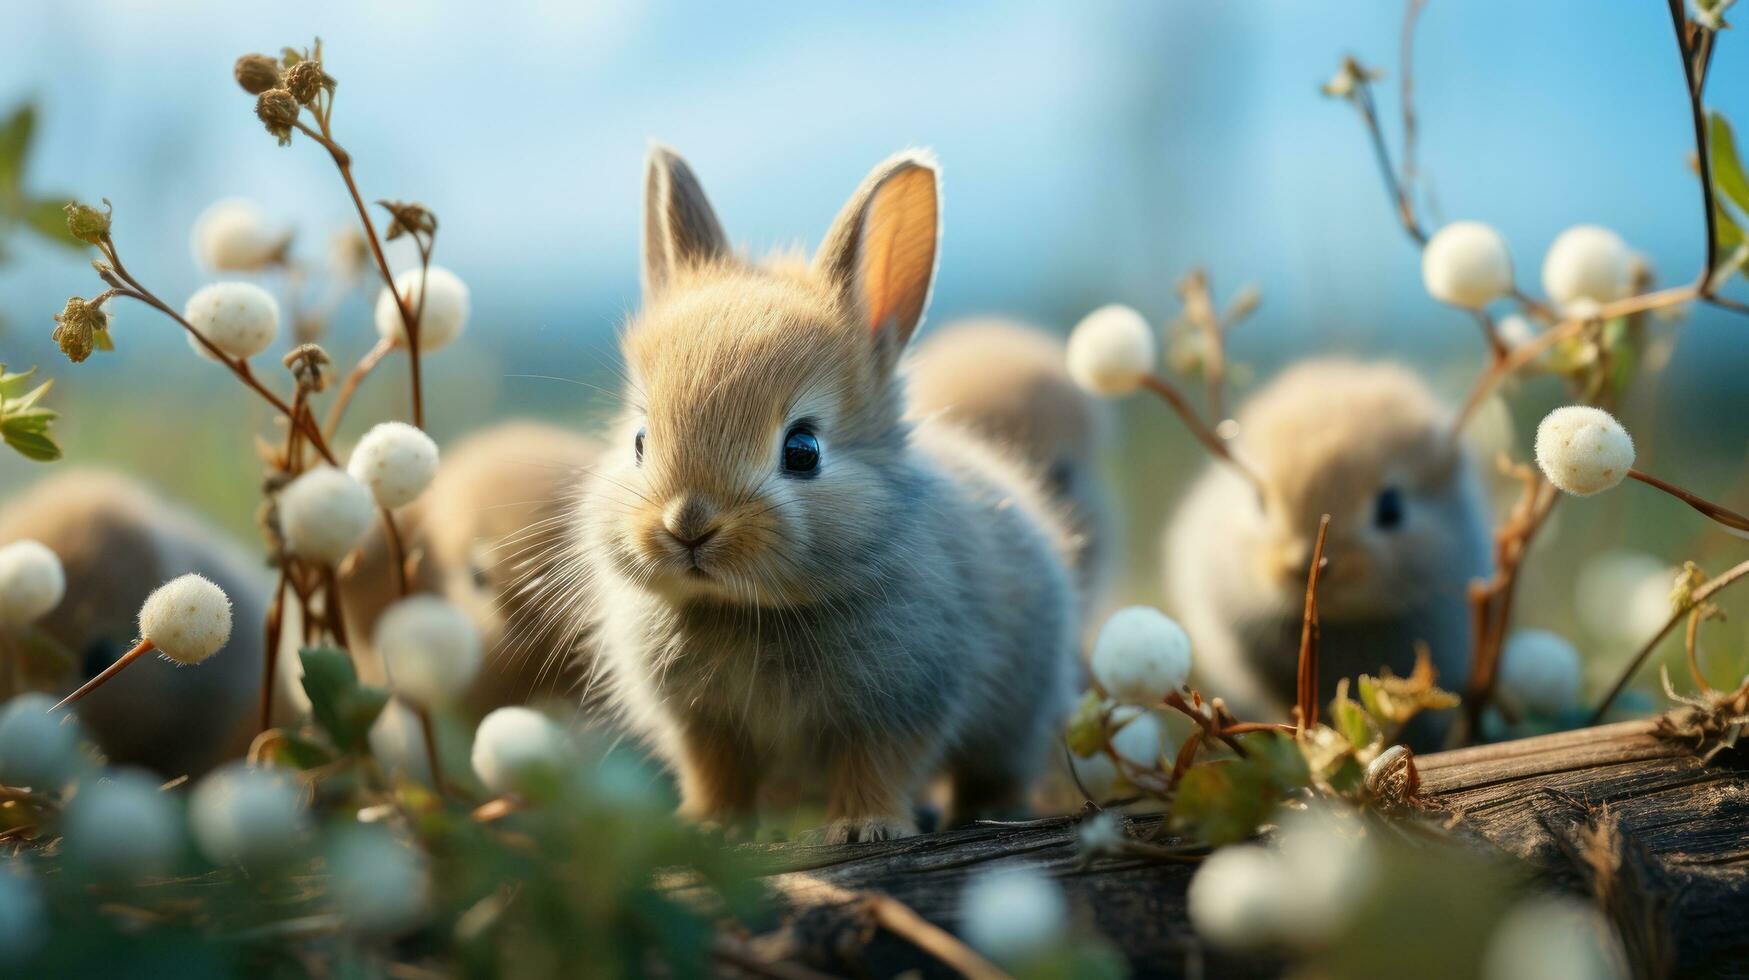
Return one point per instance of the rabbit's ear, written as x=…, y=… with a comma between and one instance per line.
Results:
x=680, y=229
x=881, y=249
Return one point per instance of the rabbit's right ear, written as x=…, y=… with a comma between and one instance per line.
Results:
x=680, y=229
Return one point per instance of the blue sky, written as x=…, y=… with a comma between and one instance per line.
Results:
x=1092, y=151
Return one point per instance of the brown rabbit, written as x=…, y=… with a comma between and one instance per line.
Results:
x=117, y=542
x=1008, y=382
x=492, y=534
x=792, y=585
x=1369, y=445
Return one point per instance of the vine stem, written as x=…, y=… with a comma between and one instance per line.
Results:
x=140, y=649
x=1702, y=593
x=1210, y=439
x=354, y=378
x=1715, y=512
x=1308, y=663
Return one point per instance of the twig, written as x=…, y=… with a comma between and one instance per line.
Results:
x=1491, y=601
x=739, y=955
x=1307, y=710
x=1694, y=71
x=1200, y=430
x=1691, y=644
x=429, y=730
x=898, y=918
x=1715, y=512
x=354, y=378
x=270, y=668
x=397, y=552
x=140, y=649
x=1702, y=592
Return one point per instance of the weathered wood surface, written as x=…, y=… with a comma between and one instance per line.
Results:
x=1680, y=844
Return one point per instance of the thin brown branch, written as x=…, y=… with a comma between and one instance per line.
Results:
x=1702, y=593
x=432, y=757
x=1394, y=188
x=1694, y=65
x=1717, y=513
x=1691, y=645
x=140, y=649
x=1406, y=91
x=898, y=918
x=397, y=552
x=1307, y=703
x=273, y=633
x=1198, y=428
x=355, y=377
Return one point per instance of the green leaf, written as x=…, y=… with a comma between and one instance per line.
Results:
x=15, y=133
x=301, y=753
x=35, y=420
x=48, y=218
x=31, y=445
x=1726, y=231
x=1728, y=176
x=1352, y=720
x=343, y=708
x=22, y=403
x=1226, y=800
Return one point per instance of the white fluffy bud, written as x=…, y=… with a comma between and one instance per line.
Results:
x=519, y=750
x=431, y=649
x=444, y=315
x=24, y=922
x=1012, y=913
x=244, y=815
x=1111, y=350
x=397, y=742
x=37, y=749
x=1141, y=741
x=1334, y=867
x=1554, y=936
x=396, y=461
x=1623, y=596
x=188, y=619
x=1540, y=673
x=232, y=236
x=324, y=514
x=32, y=582
x=1466, y=264
x=1583, y=450
x=240, y=318
x=380, y=883
x=1237, y=898
x=1141, y=656
x=122, y=826
x=1588, y=262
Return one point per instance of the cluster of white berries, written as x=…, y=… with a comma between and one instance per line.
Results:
x=441, y=318
x=1112, y=350
x=1013, y=914
x=1583, y=450
x=32, y=582
x=1467, y=264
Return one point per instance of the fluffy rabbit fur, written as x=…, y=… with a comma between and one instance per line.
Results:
x=901, y=611
x=118, y=542
x=1008, y=382
x=1336, y=437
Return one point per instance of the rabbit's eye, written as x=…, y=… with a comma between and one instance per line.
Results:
x=1387, y=511
x=638, y=446
x=801, y=451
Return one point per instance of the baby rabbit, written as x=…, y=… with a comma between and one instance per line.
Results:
x=791, y=584
x=118, y=542
x=1008, y=383
x=1369, y=445
x=493, y=531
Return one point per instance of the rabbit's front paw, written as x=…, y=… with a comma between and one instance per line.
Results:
x=862, y=830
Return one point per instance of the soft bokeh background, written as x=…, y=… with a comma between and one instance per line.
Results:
x=1093, y=152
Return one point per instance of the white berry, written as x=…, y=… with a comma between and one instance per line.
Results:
x=1466, y=264
x=1540, y=673
x=396, y=461
x=444, y=315
x=1554, y=936
x=1013, y=913
x=37, y=749
x=1583, y=450
x=188, y=619
x=520, y=750
x=240, y=318
x=232, y=235
x=431, y=649
x=247, y=815
x=397, y=742
x=32, y=582
x=380, y=883
x=122, y=825
x=1588, y=262
x=324, y=514
x=1111, y=350
x=1141, y=656
x=24, y=922
x=1237, y=898
x=1141, y=741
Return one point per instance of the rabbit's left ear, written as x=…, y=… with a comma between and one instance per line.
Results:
x=881, y=249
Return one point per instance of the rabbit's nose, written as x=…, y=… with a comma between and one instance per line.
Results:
x=690, y=521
